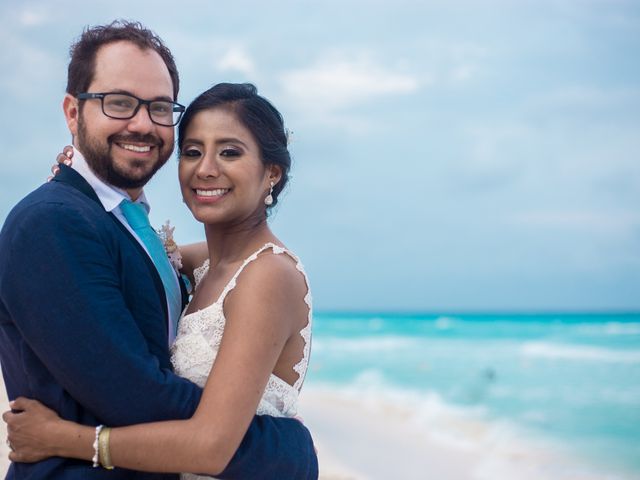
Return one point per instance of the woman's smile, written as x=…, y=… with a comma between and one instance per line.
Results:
x=210, y=195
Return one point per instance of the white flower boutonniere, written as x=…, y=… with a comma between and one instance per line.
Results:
x=170, y=246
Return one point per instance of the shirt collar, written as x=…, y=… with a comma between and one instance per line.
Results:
x=109, y=196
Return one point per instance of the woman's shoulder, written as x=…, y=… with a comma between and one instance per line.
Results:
x=273, y=272
x=277, y=263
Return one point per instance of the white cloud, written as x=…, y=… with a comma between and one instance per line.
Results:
x=30, y=17
x=236, y=59
x=335, y=84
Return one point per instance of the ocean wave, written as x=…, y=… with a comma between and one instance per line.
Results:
x=556, y=351
x=372, y=389
x=610, y=328
x=597, y=395
x=445, y=323
x=363, y=344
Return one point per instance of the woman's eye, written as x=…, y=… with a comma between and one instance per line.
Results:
x=190, y=152
x=230, y=152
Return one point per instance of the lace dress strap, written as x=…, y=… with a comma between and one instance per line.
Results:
x=301, y=367
x=199, y=272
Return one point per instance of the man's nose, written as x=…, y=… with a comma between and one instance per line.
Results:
x=141, y=121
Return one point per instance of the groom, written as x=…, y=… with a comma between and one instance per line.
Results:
x=87, y=303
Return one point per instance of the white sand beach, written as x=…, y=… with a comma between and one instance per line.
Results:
x=363, y=439
x=355, y=442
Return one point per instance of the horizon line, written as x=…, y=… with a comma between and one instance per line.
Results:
x=441, y=312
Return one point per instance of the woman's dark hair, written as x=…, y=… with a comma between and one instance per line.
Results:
x=83, y=52
x=257, y=114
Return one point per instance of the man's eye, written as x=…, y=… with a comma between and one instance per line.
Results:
x=119, y=103
x=161, y=108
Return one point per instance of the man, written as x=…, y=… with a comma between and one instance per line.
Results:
x=87, y=307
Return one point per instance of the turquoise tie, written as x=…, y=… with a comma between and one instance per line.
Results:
x=138, y=220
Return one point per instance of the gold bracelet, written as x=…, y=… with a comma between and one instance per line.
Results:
x=103, y=446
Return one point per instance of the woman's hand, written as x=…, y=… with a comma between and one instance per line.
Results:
x=31, y=430
x=65, y=157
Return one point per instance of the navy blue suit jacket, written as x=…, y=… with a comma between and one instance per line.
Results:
x=83, y=329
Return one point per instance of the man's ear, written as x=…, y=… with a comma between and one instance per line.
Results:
x=71, y=113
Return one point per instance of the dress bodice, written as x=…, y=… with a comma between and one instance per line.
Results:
x=200, y=333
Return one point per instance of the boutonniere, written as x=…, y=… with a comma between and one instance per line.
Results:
x=170, y=246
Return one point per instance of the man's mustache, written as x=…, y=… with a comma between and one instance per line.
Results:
x=133, y=138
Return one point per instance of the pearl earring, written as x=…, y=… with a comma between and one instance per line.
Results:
x=269, y=199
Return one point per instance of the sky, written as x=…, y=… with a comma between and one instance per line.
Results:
x=448, y=156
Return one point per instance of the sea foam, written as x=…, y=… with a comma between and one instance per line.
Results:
x=557, y=351
x=506, y=450
x=364, y=344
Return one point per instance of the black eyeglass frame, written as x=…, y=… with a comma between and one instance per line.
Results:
x=176, y=107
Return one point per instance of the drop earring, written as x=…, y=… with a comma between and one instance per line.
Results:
x=269, y=199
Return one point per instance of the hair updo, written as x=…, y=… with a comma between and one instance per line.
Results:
x=257, y=114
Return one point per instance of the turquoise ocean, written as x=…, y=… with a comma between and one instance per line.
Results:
x=570, y=382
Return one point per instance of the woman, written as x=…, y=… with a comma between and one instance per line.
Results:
x=250, y=314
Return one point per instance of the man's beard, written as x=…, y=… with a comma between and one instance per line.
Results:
x=99, y=158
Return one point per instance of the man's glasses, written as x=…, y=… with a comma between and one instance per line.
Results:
x=124, y=106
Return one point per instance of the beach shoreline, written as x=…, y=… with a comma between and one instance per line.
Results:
x=364, y=437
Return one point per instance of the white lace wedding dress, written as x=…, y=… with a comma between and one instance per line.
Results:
x=200, y=333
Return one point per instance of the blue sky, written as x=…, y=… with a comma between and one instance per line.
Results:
x=478, y=155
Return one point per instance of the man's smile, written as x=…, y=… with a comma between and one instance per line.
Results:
x=135, y=148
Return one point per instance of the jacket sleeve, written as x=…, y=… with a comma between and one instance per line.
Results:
x=62, y=290
x=274, y=448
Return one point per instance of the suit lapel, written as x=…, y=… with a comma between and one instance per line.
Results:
x=72, y=178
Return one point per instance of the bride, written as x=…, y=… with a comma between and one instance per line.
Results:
x=245, y=336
